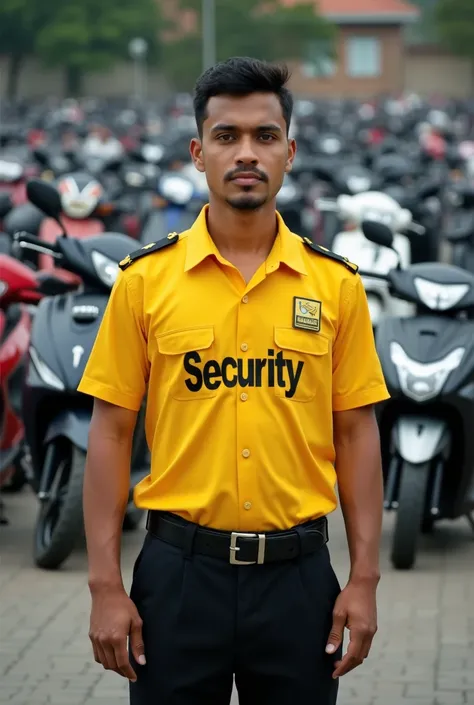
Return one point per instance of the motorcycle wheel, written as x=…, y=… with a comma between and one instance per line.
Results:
x=411, y=506
x=60, y=521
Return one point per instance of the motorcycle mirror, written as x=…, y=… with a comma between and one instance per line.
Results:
x=44, y=196
x=5, y=204
x=378, y=233
x=40, y=155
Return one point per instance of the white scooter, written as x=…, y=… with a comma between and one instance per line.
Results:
x=351, y=243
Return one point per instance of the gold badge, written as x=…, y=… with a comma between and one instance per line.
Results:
x=126, y=260
x=171, y=236
x=306, y=314
x=147, y=247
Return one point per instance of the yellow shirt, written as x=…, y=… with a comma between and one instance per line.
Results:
x=242, y=378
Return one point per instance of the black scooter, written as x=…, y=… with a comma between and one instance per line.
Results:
x=426, y=426
x=56, y=416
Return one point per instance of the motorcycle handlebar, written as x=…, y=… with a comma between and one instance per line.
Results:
x=25, y=237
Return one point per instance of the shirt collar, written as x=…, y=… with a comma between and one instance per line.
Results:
x=287, y=248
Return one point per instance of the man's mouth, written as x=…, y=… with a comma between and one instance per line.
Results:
x=246, y=179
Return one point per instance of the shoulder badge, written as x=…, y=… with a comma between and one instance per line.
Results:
x=332, y=255
x=148, y=249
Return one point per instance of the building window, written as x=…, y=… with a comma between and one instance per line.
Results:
x=363, y=57
x=319, y=60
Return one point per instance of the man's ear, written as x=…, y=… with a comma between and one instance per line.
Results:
x=195, y=149
x=291, y=155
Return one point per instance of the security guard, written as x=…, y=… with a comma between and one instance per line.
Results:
x=256, y=350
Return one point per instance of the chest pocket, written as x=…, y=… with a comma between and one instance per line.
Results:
x=187, y=364
x=307, y=369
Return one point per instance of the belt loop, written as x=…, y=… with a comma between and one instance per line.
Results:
x=190, y=533
x=303, y=538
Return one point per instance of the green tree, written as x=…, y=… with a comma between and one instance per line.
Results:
x=90, y=35
x=455, y=25
x=264, y=30
x=20, y=21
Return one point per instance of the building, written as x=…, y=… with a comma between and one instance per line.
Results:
x=369, y=50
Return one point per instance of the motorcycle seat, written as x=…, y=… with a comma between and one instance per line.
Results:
x=460, y=234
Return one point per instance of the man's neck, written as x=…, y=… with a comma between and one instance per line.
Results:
x=242, y=233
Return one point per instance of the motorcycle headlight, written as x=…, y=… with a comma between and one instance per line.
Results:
x=357, y=184
x=46, y=374
x=177, y=190
x=439, y=297
x=134, y=178
x=10, y=171
x=421, y=381
x=105, y=268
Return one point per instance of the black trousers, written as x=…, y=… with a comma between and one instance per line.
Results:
x=205, y=620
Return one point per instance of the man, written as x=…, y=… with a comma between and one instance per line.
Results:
x=101, y=143
x=257, y=351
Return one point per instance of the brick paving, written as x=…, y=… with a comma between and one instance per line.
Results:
x=423, y=653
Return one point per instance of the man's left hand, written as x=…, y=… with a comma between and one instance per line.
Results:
x=356, y=609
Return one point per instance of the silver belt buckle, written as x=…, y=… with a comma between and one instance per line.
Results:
x=235, y=536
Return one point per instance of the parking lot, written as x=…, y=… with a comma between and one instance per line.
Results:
x=423, y=653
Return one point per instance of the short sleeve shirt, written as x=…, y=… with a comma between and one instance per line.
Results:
x=242, y=379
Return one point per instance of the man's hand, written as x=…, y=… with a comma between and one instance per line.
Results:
x=114, y=617
x=356, y=609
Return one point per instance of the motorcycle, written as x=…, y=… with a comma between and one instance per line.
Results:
x=174, y=208
x=352, y=243
x=426, y=425
x=19, y=286
x=56, y=416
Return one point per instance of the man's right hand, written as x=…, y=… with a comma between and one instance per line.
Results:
x=114, y=617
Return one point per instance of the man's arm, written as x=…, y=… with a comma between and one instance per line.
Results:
x=114, y=616
x=106, y=489
x=359, y=476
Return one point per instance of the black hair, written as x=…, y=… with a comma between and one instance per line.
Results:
x=241, y=76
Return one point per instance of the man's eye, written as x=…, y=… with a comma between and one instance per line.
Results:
x=267, y=137
x=225, y=138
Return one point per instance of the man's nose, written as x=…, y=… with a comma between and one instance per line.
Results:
x=246, y=152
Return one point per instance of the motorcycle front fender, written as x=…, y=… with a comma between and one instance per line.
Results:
x=70, y=424
x=419, y=439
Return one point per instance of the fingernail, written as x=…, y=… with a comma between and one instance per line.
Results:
x=142, y=660
x=330, y=649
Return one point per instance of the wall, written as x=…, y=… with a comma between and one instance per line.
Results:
x=36, y=81
x=429, y=72
x=340, y=85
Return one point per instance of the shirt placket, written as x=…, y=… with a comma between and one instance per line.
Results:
x=247, y=452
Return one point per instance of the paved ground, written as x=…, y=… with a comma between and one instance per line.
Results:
x=423, y=655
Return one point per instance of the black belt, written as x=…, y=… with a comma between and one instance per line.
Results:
x=237, y=547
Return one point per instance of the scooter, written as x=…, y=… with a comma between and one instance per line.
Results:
x=56, y=416
x=174, y=207
x=18, y=287
x=352, y=244
x=426, y=425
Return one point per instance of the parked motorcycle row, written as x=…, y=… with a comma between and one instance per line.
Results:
x=388, y=184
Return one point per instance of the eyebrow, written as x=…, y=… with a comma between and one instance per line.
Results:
x=222, y=127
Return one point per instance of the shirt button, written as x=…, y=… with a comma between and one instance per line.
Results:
x=247, y=505
x=244, y=396
x=244, y=347
x=246, y=453
x=245, y=299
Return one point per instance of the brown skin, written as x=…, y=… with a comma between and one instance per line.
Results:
x=114, y=616
x=243, y=134
x=359, y=476
x=239, y=135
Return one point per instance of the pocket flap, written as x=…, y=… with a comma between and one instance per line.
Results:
x=178, y=342
x=301, y=341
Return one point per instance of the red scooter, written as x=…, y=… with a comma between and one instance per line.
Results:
x=19, y=286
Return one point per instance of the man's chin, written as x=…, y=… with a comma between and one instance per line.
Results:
x=246, y=202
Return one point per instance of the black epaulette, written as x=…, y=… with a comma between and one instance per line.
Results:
x=148, y=249
x=332, y=255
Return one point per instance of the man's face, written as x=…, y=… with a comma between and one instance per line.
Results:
x=244, y=149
